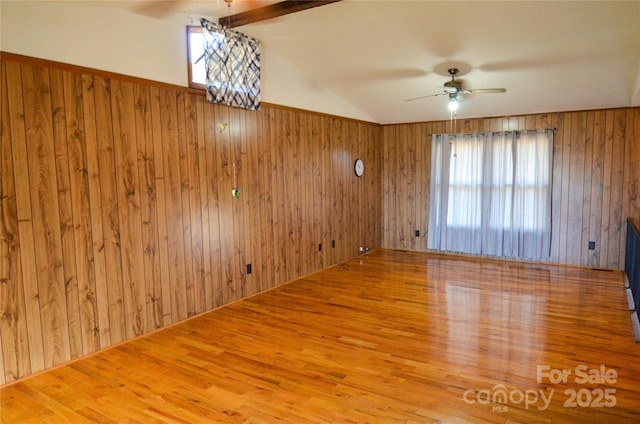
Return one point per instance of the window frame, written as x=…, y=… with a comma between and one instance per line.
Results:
x=473, y=183
x=192, y=29
x=529, y=230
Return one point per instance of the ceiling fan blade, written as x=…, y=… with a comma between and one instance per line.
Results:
x=488, y=90
x=424, y=97
x=157, y=8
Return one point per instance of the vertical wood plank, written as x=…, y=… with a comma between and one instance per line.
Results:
x=586, y=191
x=325, y=195
x=329, y=230
x=181, y=180
x=346, y=202
x=366, y=198
x=173, y=208
x=14, y=332
x=389, y=191
x=616, y=219
x=345, y=168
x=251, y=173
x=551, y=121
x=308, y=245
x=374, y=198
x=401, y=191
x=81, y=207
x=95, y=213
x=632, y=168
x=266, y=202
x=361, y=188
x=337, y=182
x=225, y=184
x=386, y=182
x=277, y=184
x=563, y=157
x=3, y=373
x=605, y=226
x=212, y=193
x=423, y=177
x=163, y=191
x=67, y=239
x=109, y=208
x=631, y=176
x=200, y=156
x=248, y=256
x=25, y=245
x=46, y=215
x=597, y=176
x=148, y=206
x=129, y=214
x=292, y=188
x=195, y=206
x=410, y=171
x=238, y=206
x=575, y=247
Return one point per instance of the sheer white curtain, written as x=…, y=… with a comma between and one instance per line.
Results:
x=491, y=193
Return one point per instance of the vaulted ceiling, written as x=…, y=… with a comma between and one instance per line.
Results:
x=550, y=56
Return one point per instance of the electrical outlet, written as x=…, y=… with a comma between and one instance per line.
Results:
x=333, y=243
x=320, y=247
x=417, y=233
x=592, y=245
x=248, y=268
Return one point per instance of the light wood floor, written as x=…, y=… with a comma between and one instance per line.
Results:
x=388, y=337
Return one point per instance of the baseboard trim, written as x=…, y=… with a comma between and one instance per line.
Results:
x=636, y=325
x=630, y=301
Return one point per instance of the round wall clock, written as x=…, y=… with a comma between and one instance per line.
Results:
x=358, y=167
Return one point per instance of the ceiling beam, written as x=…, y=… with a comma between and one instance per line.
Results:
x=272, y=11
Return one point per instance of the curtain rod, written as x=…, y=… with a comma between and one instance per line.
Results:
x=481, y=132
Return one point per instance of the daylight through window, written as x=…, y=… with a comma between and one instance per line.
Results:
x=491, y=193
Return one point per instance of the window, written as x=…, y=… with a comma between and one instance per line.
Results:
x=230, y=59
x=195, y=49
x=491, y=193
x=232, y=66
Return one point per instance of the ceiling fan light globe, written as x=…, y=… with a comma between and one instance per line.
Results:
x=453, y=105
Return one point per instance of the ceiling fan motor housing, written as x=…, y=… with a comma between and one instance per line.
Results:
x=452, y=86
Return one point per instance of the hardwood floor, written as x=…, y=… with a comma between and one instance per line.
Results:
x=387, y=337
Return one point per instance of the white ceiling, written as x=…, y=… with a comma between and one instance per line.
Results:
x=550, y=56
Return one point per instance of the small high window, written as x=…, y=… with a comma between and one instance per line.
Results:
x=225, y=63
x=195, y=49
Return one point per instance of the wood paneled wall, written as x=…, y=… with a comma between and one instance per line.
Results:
x=117, y=213
x=596, y=180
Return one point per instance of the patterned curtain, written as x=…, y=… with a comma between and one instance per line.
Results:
x=232, y=61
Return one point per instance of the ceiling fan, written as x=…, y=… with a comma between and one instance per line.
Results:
x=454, y=88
